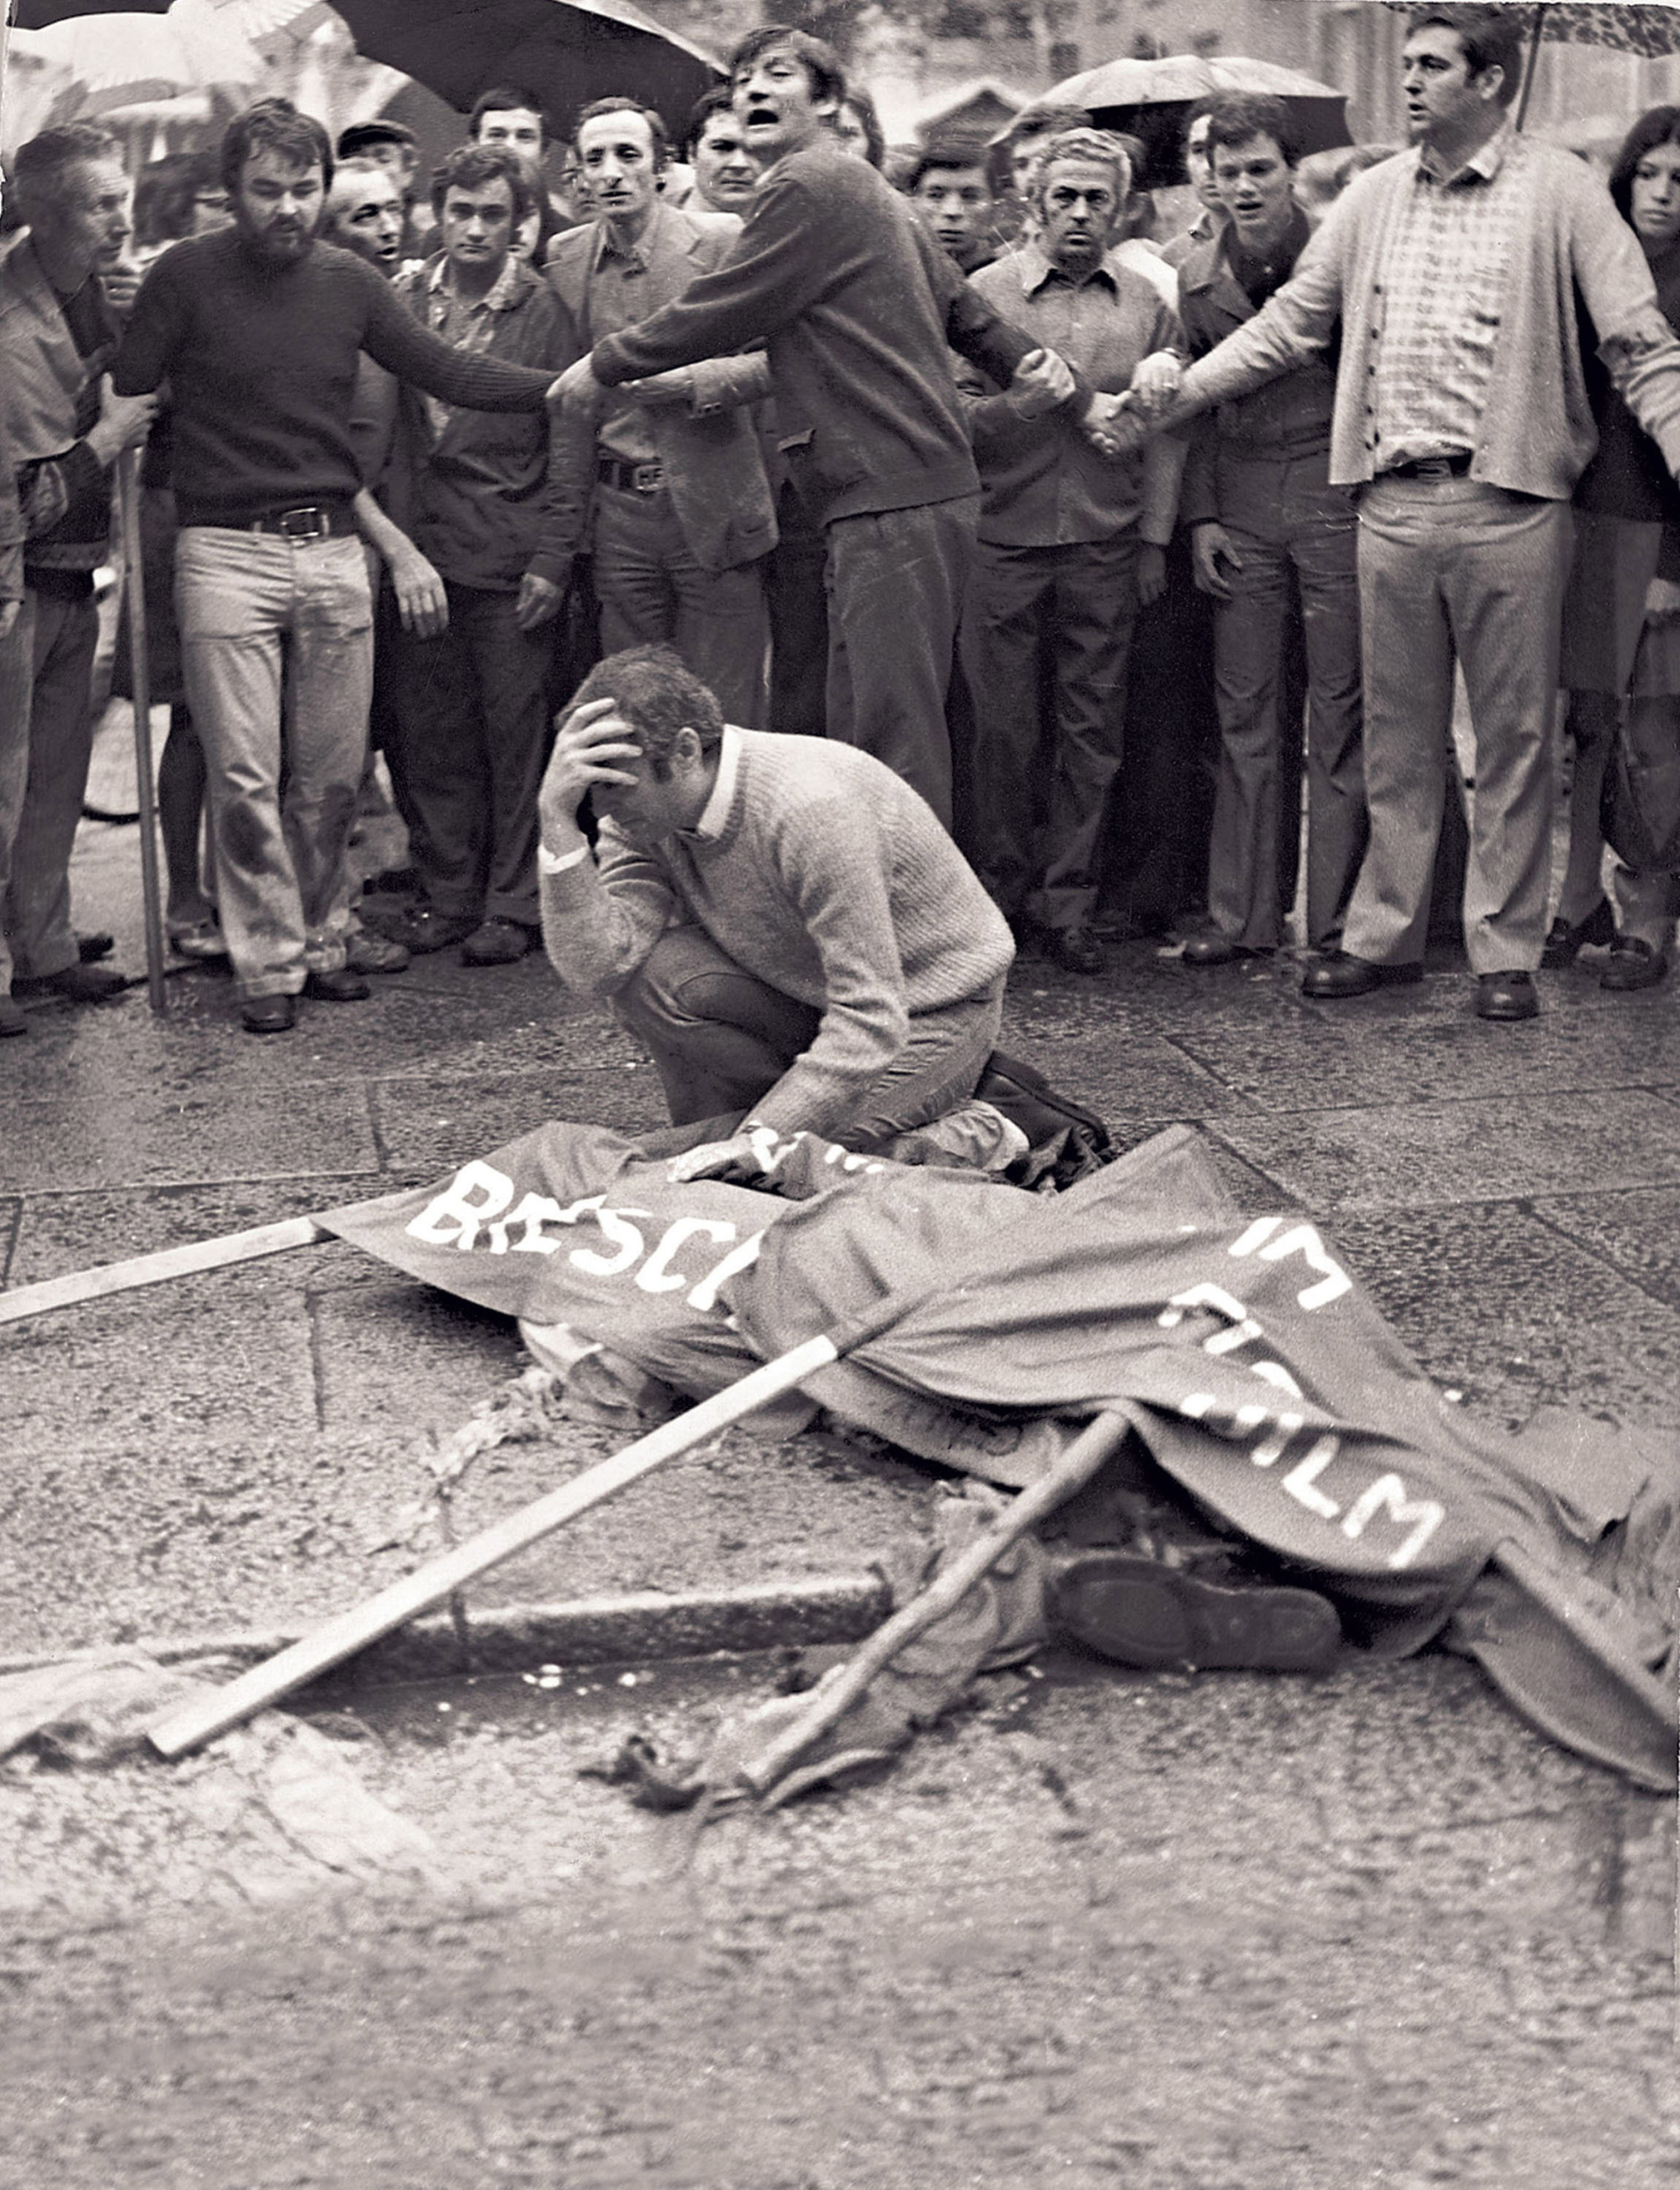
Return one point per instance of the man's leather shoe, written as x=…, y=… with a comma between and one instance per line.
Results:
x=1507, y=996
x=1077, y=950
x=364, y=952
x=498, y=942
x=1141, y=1611
x=1633, y=964
x=81, y=983
x=90, y=949
x=268, y=1014
x=421, y=929
x=1563, y=942
x=1339, y=974
x=1217, y=950
x=13, y=1019
x=342, y=987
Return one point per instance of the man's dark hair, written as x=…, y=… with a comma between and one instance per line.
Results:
x=1660, y=126
x=874, y=137
x=820, y=62
x=504, y=98
x=1492, y=37
x=274, y=126
x=657, y=696
x=1237, y=117
x=39, y=167
x=718, y=100
x=363, y=136
x=656, y=129
x=470, y=166
x=950, y=153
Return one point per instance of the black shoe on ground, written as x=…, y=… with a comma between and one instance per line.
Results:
x=90, y=949
x=268, y=1014
x=1564, y=944
x=1339, y=973
x=1216, y=949
x=1506, y=997
x=13, y=1019
x=1076, y=950
x=80, y=983
x=342, y=987
x=1141, y=1613
x=498, y=942
x=1633, y=964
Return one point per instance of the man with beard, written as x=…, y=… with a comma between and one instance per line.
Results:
x=258, y=330
x=856, y=305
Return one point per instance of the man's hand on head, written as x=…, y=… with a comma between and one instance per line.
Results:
x=586, y=752
x=576, y=393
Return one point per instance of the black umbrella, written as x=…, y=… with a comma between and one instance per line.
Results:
x=567, y=51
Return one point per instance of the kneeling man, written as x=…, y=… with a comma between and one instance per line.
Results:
x=781, y=919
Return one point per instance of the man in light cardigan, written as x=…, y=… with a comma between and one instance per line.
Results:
x=1462, y=417
x=781, y=919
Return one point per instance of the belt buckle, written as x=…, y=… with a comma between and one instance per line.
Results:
x=305, y=524
x=647, y=478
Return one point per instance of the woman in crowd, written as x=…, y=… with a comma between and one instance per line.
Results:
x=1622, y=617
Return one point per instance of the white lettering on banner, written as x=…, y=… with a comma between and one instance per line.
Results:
x=1300, y=1239
x=655, y=1275
x=533, y=1211
x=1300, y=1479
x=1387, y=1494
x=455, y=1217
x=630, y=1243
x=705, y=1294
x=1273, y=1448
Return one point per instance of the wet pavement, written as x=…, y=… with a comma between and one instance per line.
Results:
x=1152, y=1929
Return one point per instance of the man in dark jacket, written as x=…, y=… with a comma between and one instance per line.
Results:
x=1258, y=496
x=472, y=698
x=856, y=304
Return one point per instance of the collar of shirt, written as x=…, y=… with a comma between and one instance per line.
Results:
x=496, y=297
x=715, y=813
x=1037, y=270
x=1271, y=269
x=632, y=257
x=1483, y=165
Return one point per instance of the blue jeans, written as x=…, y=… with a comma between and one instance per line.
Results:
x=277, y=650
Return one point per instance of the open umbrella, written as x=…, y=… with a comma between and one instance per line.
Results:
x=120, y=60
x=1149, y=100
x=567, y=51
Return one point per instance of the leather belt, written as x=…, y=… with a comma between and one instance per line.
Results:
x=1431, y=467
x=310, y=521
x=630, y=478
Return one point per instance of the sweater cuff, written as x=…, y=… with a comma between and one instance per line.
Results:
x=606, y=362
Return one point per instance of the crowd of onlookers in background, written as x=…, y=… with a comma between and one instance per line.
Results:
x=1163, y=531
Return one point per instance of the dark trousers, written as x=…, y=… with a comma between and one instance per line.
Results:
x=722, y=1038
x=471, y=725
x=797, y=599
x=650, y=589
x=1281, y=517
x=1047, y=749
x=895, y=581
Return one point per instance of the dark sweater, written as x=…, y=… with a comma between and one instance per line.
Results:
x=261, y=363
x=1628, y=476
x=856, y=304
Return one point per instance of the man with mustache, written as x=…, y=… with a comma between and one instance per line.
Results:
x=258, y=330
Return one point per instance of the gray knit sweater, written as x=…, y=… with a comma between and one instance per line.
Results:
x=830, y=880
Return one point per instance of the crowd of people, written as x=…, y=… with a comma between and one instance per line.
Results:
x=1105, y=544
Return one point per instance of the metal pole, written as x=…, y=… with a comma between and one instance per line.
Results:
x=128, y=491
